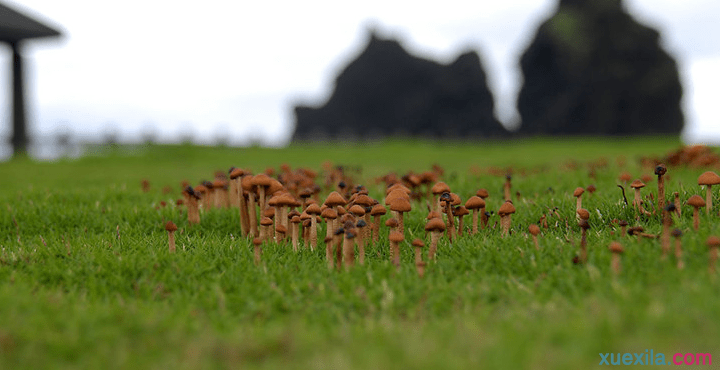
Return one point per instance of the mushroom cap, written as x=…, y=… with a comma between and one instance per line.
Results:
x=296, y=219
x=696, y=201
x=391, y=222
x=305, y=216
x=236, y=172
x=591, y=188
x=170, y=226
x=708, y=178
x=257, y=241
x=583, y=213
x=261, y=179
x=418, y=243
x=482, y=193
x=218, y=183
x=396, y=236
x=357, y=210
x=335, y=199
x=281, y=228
x=625, y=177
x=637, y=184
x=306, y=193
x=623, y=223
x=398, y=186
x=660, y=169
x=578, y=192
x=635, y=230
x=350, y=234
x=434, y=214
x=266, y=221
x=435, y=224
x=269, y=212
x=506, y=209
x=285, y=199
x=202, y=189
x=475, y=202
x=274, y=187
x=713, y=241
x=364, y=200
x=313, y=209
x=534, y=229
x=440, y=187
x=616, y=247
x=677, y=233
x=329, y=213
x=246, y=183
x=460, y=211
x=455, y=199
x=395, y=194
x=378, y=210
x=361, y=223
x=400, y=205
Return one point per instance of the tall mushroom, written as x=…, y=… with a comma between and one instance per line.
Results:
x=262, y=182
x=616, y=249
x=637, y=185
x=708, y=179
x=295, y=220
x=400, y=206
x=329, y=215
x=505, y=212
x=256, y=244
x=476, y=205
x=191, y=201
x=578, y=194
x=696, y=202
x=334, y=200
x=436, y=227
x=313, y=210
x=395, y=238
x=349, y=248
x=661, y=170
x=170, y=227
x=438, y=189
x=460, y=212
x=377, y=212
x=360, y=240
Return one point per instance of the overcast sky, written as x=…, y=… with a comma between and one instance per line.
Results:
x=236, y=68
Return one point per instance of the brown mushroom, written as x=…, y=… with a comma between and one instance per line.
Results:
x=262, y=182
x=438, y=189
x=677, y=234
x=436, y=227
x=460, y=212
x=295, y=220
x=191, y=201
x=708, y=179
x=661, y=170
x=256, y=244
x=584, y=226
x=313, y=210
x=360, y=240
x=395, y=238
x=713, y=242
x=578, y=194
x=505, y=212
x=696, y=202
x=349, y=248
x=477, y=205
x=534, y=230
x=637, y=185
x=170, y=227
x=616, y=249
x=400, y=206
x=376, y=212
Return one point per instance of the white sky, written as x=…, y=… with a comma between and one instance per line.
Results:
x=236, y=68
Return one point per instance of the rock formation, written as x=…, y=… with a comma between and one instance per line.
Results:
x=386, y=91
x=592, y=69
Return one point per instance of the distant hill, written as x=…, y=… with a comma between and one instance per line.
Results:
x=386, y=91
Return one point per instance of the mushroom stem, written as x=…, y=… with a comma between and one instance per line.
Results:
x=348, y=250
x=295, y=236
x=313, y=232
x=665, y=237
x=434, y=237
x=375, y=227
x=460, y=226
x=244, y=216
x=708, y=199
x=583, y=245
x=261, y=198
x=193, y=210
x=361, y=250
x=661, y=193
x=696, y=218
x=678, y=253
x=615, y=263
x=535, y=240
x=475, y=221
x=401, y=223
x=450, y=221
x=638, y=199
x=578, y=203
x=418, y=254
x=505, y=222
x=395, y=251
x=677, y=203
x=329, y=255
x=171, y=241
x=256, y=244
x=253, y=214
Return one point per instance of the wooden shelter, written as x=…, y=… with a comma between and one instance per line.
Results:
x=16, y=27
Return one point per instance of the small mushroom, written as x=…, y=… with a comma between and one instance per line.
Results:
x=313, y=210
x=534, y=230
x=660, y=170
x=170, y=227
x=584, y=226
x=696, y=202
x=191, y=201
x=476, y=205
x=637, y=185
x=623, y=225
x=708, y=179
x=400, y=206
x=349, y=248
x=377, y=212
x=616, y=249
x=395, y=238
x=295, y=220
x=507, y=186
x=460, y=212
x=667, y=223
x=360, y=240
x=256, y=244
x=578, y=195
x=677, y=201
x=677, y=234
x=713, y=242
x=438, y=189
x=436, y=227
x=505, y=212
x=418, y=245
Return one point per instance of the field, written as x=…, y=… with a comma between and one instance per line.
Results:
x=87, y=281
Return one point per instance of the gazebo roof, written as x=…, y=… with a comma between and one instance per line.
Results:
x=15, y=26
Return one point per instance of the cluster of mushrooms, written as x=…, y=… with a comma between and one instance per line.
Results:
x=287, y=208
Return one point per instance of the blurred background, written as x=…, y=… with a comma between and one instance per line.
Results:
x=234, y=72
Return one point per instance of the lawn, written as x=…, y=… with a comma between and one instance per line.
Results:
x=87, y=281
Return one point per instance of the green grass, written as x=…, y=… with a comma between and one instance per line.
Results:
x=86, y=280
